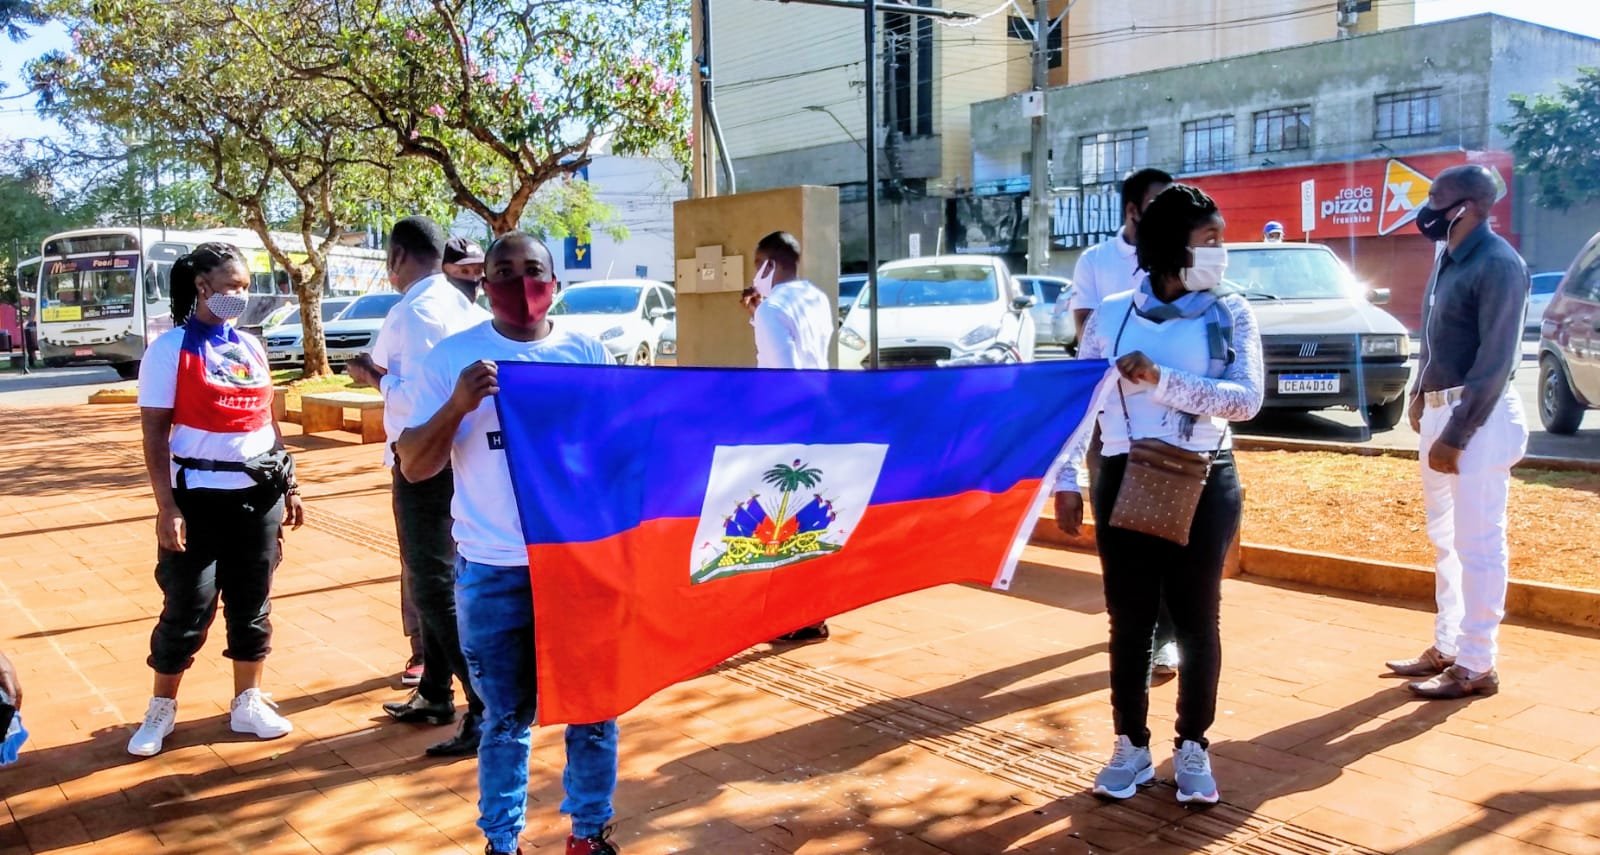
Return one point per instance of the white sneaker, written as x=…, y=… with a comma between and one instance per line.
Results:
x=1196, y=784
x=253, y=714
x=1130, y=768
x=1167, y=656
x=159, y=720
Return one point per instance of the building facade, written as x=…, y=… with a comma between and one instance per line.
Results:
x=790, y=80
x=1367, y=120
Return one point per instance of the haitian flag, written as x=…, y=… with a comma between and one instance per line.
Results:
x=676, y=516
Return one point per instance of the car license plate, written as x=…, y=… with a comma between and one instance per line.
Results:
x=277, y=356
x=83, y=351
x=1308, y=384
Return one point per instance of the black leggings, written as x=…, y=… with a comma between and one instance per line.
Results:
x=1141, y=572
x=231, y=548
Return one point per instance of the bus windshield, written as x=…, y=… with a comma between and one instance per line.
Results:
x=81, y=289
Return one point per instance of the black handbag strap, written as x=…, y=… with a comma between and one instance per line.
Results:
x=1116, y=347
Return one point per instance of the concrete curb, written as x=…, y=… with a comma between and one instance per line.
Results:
x=1541, y=464
x=1536, y=601
x=114, y=396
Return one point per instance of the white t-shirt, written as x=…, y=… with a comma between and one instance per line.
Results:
x=794, y=326
x=1109, y=267
x=487, y=529
x=432, y=310
x=158, y=388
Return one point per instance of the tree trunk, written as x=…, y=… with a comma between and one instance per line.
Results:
x=309, y=290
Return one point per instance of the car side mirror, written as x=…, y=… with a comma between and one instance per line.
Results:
x=1022, y=303
x=1378, y=296
x=657, y=313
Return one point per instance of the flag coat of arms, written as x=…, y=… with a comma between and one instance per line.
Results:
x=675, y=517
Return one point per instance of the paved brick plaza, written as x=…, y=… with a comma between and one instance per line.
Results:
x=954, y=720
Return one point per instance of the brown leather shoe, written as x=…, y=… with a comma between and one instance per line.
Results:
x=1430, y=663
x=1456, y=683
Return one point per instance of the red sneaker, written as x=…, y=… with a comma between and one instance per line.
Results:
x=600, y=844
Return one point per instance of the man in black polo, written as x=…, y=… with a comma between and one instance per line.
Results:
x=1471, y=426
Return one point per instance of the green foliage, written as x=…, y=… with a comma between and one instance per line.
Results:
x=1553, y=138
x=501, y=99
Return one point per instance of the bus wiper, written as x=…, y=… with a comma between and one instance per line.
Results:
x=1260, y=295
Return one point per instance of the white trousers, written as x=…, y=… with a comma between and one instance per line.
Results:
x=1467, y=524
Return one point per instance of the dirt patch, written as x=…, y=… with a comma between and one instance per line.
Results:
x=1371, y=507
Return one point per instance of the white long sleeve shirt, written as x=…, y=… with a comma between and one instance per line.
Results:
x=794, y=326
x=431, y=311
x=1178, y=347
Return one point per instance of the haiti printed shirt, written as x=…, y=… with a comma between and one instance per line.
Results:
x=216, y=382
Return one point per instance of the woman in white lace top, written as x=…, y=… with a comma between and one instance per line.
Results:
x=1189, y=356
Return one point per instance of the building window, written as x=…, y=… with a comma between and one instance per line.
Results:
x=1407, y=114
x=1283, y=129
x=1108, y=156
x=1208, y=144
x=1021, y=29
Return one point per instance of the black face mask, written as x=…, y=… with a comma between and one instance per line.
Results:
x=1432, y=222
x=466, y=286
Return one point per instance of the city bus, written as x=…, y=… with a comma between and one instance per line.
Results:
x=103, y=294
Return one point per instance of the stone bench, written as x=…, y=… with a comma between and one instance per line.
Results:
x=324, y=411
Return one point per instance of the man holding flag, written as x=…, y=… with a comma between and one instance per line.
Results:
x=456, y=423
x=794, y=324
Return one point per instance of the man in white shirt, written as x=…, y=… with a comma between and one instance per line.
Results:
x=794, y=323
x=455, y=427
x=432, y=309
x=1111, y=267
x=1107, y=268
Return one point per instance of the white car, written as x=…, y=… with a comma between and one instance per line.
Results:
x=1541, y=287
x=934, y=310
x=627, y=315
x=356, y=328
x=1050, y=293
x=282, y=336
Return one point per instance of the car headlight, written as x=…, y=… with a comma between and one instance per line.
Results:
x=979, y=336
x=1385, y=345
x=614, y=332
x=668, y=347
x=851, y=339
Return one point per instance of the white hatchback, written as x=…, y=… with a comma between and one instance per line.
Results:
x=933, y=310
x=627, y=315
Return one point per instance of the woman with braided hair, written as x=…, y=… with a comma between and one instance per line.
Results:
x=1189, y=358
x=224, y=488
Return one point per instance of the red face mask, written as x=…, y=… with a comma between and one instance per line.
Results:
x=521, y=301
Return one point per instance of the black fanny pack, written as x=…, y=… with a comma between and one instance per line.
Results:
x=272, y=470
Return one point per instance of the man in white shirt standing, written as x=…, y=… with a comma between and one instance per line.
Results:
x=1107, y=268
x=1111, y=266
x=794, y=323
x=432, y=309
x=454, y=426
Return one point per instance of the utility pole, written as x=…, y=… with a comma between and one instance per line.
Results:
x=1039, y=183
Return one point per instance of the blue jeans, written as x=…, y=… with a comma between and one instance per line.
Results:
x=494, y=609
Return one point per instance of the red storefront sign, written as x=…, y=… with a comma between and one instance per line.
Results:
x=1366, y=198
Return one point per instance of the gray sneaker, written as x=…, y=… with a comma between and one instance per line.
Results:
x=1196, y=785
x=1129, y=769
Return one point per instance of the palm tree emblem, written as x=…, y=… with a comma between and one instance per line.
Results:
x=790, y=479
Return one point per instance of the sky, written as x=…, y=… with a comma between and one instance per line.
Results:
x=17, y=119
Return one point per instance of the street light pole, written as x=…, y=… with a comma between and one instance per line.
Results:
x=870, y=8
